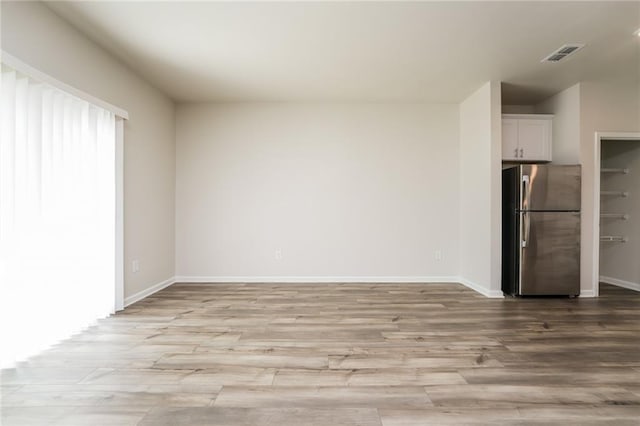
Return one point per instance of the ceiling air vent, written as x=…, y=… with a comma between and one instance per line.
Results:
x=563, y=52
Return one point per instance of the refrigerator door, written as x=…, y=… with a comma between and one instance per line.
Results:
x=550, y=187
x=550, y=253
x=510, y=229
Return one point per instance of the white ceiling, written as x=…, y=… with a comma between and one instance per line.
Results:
x=361, y=51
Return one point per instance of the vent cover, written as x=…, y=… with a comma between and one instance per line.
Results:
x=563, y=52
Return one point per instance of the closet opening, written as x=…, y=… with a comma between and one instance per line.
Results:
x=618, y=211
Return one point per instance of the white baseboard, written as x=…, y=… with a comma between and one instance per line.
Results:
x=148, y=291
x=587, y=293
x=314, y=279
x=620, y=283
x=493, y=294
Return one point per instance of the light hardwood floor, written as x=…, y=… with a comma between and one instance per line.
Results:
x=340, y=354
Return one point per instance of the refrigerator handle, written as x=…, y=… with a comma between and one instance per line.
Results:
x=527, y=227
x=524, y=202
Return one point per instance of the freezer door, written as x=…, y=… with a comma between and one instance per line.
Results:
x=550, y=254
x=550, y=187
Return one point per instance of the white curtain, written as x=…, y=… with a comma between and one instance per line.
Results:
x=57, y=215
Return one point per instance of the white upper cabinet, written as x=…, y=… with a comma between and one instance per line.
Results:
x=526, y=137
x=510, y=146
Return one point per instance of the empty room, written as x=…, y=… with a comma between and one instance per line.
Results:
x=293, y=213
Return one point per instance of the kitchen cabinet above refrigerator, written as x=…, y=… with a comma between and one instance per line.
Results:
x=526, y=138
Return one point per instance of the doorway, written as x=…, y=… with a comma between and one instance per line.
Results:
x=618, y=210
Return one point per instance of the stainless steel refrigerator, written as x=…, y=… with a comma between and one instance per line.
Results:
x=541, y=230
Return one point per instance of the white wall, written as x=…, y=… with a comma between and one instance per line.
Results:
x=34, y=34
x=605, y=106
x=565, y=106
x=619, y=261
x=343, y=190
x=480, y=190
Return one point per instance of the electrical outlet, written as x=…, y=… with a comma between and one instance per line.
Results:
x=438, y=255
x=135, y=266
x=278, y=254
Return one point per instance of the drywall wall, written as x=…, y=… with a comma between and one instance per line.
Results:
x=605, y=106
x=317, y=192
x=480, y=190
x=619, y=261
x=33, y=33
x=565, y=106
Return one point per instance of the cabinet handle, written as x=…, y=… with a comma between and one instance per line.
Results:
x=516, y=152
x=521, y=152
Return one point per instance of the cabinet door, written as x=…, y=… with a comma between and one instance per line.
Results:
x=510, y=139
x=534, y=140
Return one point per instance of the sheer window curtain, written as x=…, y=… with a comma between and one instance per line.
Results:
x=57, y=215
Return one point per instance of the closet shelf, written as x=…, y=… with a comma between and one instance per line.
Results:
x=615, y=193
x=611, y=170
x=622, y=216
x=613, y=238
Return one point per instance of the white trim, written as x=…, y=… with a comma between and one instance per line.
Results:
x=119, y=165
x=493, y=294
x=534, y=116
x=620, y=283
x=595, y=225
x=587, y=293
x=148, y=291
x=36, y=74
x=315, y=279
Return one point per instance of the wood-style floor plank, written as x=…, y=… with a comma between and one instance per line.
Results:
x=339, y=354
x=262, y=416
